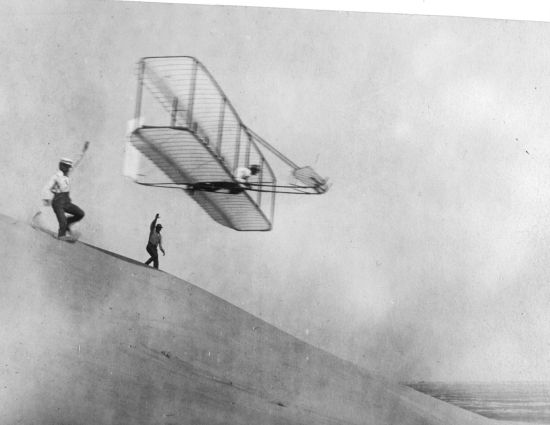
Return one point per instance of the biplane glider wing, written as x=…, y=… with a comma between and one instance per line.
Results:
x=185, y=160
x=193, y=139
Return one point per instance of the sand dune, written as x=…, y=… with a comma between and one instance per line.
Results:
x=90, y=337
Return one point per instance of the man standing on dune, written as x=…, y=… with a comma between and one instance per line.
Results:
x=155, y=239
x=59, y=185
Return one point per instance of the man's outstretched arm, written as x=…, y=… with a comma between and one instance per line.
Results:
x=79, y=159
x=154, y=222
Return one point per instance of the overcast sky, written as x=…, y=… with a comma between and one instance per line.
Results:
x=428, y=259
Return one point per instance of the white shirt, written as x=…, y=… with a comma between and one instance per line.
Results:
x=58, y=183
x=242, y=174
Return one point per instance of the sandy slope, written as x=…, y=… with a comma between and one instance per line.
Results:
x=92, y=338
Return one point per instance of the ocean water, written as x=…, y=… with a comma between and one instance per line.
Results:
x=510, y=401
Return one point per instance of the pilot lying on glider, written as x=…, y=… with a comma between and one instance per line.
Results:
x=241, y=175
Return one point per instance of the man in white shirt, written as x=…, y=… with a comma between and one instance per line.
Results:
x=242, y=174
x=60, y=184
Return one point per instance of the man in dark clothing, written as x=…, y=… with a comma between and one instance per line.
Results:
x=155, y=239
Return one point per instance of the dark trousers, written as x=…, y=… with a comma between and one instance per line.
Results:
x=152, y=250
x=62, y=204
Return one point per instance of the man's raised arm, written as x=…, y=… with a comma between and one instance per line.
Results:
x=154, y=222
x=79, y=159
